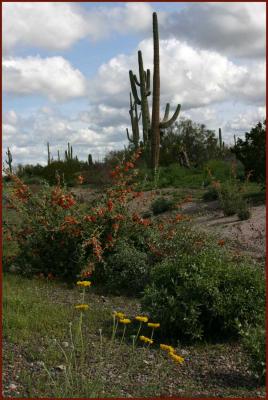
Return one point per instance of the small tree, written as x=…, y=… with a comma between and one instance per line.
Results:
x=198, y=142
x=251, y=152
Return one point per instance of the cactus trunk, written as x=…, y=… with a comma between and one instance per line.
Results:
x=48, y=154
x=9, y=160
x=155, y=128
x=220, y=138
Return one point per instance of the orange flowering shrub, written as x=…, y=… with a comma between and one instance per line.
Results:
x=54, y=237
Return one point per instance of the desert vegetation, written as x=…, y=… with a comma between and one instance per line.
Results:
x=112, y=288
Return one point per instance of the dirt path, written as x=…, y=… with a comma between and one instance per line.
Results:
x=247, y=237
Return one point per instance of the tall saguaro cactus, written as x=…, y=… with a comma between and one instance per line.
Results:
x=156, y=123
x=9, y=160
x=89, y=159
x=48, y=154
x=220, y=138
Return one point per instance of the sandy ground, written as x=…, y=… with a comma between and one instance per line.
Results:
x=243, y=236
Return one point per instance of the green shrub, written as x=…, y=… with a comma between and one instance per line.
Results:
x=57, y=236
x=161, y=205
x=211, y=194
x=172, y=176
x=125, y=270
x=222, y=170
x=203, y=295
x=253, y=341
x=230, y=196
x=34, y=180
x=243, y=211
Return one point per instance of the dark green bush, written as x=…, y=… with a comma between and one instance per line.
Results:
x=34, y=180
x=125, y=270
x=222, y=170
x=243, y=211
x=161, y=205
x=211, y=194
x=229, y=196
x=253, y=341
x=203, y=295
x=50, y=256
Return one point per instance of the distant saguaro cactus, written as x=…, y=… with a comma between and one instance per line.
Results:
x=220, y=138
x=69, y=153
x=48, y=154
x=9, y=160
x=89, y=160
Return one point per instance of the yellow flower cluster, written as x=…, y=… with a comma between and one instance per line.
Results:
x=152, y=325
x=176, y=358
x=125, y=321
x=171, y=353
x=82, y=307
x=141, y=319
x=170, y=349
x=119, y=315
x=146, y=339
x=83, y=283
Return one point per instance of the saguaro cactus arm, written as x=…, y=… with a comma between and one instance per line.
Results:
x=133, y=88
x=136, y=80
x=165, y=123
x=129, y=137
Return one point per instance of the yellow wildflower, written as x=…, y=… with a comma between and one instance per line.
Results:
x=125, y=321
x=83, y=283
x=168, y=348
x=176, y=358
x=141, y=319
x=152, y=325
x=146, y=339
x=119, y=315
x=82, y=307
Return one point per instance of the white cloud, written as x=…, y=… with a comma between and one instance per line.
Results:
x=103, y=115
x=236, y=29
x=53, y=26
x=189, y=76
x=57, y=26
x=53, y=77
x=27, y=136
x=244, y=121
x=129, y=18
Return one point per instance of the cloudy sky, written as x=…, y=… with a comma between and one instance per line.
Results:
x=65, y=70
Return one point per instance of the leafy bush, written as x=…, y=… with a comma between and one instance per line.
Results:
x=203, y=295
x=230, y=196
x=56, y=236
x=211, y=194
x=161, y=205
x=125, y=269
x=243, y=211
x=222, y=170
x=253, y=341
x=35, y=180
x=251, y=151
